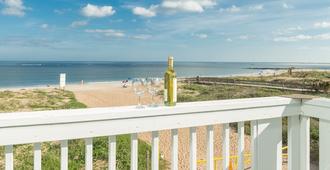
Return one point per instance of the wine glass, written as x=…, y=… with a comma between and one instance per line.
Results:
x=138, y=87
x=153, y=88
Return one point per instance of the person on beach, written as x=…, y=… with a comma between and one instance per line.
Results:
x=124, y=83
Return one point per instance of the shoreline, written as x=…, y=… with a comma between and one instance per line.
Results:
x=266, y=72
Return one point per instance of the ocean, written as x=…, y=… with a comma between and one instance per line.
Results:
x=26, y=74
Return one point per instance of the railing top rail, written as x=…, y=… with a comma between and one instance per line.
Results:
x=318, y=108
x=128, y=112
x=31, y=127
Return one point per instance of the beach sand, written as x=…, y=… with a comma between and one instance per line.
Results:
x=112, y=94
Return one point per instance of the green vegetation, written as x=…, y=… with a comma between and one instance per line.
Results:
x=35, y=100
x=201, y=92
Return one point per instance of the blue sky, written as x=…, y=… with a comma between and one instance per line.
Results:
x=191, y=30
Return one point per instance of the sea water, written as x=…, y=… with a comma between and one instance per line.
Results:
x=24, y=74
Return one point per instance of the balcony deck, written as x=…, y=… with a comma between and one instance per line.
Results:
x=264, y=114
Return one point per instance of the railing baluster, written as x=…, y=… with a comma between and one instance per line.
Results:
x=240, y=150
x=134, y=151
x=226, y=146
x=293, y=143
x=210, y=148
x=305, y=143
x=324, y=141
x=193, y=148
x=89, y=153
x=64, y=155
x=155, y=151
x=9, y=156
x=254, y=135
x=112, y=153
x=174, y=162
x=37, y=156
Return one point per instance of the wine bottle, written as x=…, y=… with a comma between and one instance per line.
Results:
x=170, y=84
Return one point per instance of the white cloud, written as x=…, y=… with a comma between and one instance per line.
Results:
x=62, y=11
x=13, y=7
x=323, y=24
x=287, y=6
x=44, y=26
x=200, y=36
x=243, y=37
x=302, y=37
x=79, y=23
x=150, y=12
x=229, y=40
x=288, y=30
x=232, y=9
x=97, y=11
x=107, y=32
x=258, y=7
x=187, y=5
x=142, y=37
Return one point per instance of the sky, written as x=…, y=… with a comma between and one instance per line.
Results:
x=141, y=30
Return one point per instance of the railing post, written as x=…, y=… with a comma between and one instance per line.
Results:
x=112, y=153
x=64, y=155
x=324, y=141
x=155, y=151
x=9, y=157
x=293, y=143
x=37, y=156
x=254, y=145
x=240, y=150
x=89, y=154
x=225, y=146
x=304, y=143
x=134, y=151
x=193, y=148
x=210, y=148
x=174, y=162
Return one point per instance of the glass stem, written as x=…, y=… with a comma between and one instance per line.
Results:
x=139, y=100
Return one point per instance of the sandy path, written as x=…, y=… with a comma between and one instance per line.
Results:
x=103, y=95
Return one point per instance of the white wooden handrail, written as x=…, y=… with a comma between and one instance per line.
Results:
x=265, y=115
x=86, y=123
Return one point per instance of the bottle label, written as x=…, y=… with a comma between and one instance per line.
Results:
x=165, y=95
x=174, y=90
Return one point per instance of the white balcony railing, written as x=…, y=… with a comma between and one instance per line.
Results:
x=265, y=115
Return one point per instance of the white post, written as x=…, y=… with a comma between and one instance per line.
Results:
x=269, y=144
x=193, y=148
x=112, y=153
x=62, y=80
x=324, y=141
x=37, y=156
x=210, y=148
x=64, y=155
x=305, y=143
x=240, y=150
x=155, y=151
x=254, y=145
x=174, y=162
x=293, y=143
x=226, y=146
x=9, y=157
x=89, y=154
x=134, y=151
